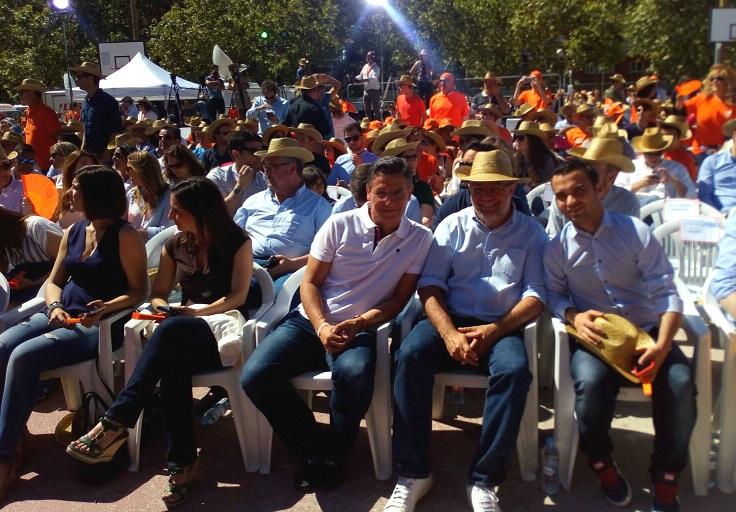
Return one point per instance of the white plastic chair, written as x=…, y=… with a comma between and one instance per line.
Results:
x=692, y=261
x=539, y=191
x=527, y=442
x=84, y=373
x=155, y=244
x=4, y=293
x=337, y=193
x=378, y=417
x=243, y=410
x=726, y=472
x=566, y=427
x=655, y=210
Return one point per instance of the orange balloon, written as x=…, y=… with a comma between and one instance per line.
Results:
x=42, y=194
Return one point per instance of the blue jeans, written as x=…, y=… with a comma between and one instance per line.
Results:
x=673, y=407
x=27, y=350
x=420, y=356
x=292, y=349
x=179, y=348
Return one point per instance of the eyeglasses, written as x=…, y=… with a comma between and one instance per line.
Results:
x=353, y=138
x=411, y=156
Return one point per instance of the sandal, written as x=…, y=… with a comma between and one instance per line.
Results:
x=177, y=493
x=97, y=454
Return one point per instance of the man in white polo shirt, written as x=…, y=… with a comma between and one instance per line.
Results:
x=363, y=267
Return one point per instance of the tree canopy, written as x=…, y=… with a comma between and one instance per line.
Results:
x=270, y=36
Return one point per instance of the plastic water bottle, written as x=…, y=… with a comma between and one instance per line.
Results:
x=550, y=467
x=216, y=412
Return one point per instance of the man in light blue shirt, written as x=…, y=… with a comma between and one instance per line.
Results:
x=482, y=281
x=357, y=154
x=283, y=219
x=717, y=175
x=270, y=109
x=603, y=262
x=723, y=285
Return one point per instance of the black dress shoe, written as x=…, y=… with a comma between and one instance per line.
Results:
x=308, y=476
x=333, y=475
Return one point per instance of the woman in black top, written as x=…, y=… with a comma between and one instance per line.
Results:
x=212, y=259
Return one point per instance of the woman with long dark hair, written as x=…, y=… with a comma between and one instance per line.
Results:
x=212, y=259
x=181, y=164
x=533, y=158
x=100, y=269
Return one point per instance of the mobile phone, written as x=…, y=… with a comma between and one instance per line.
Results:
x=271, y=262
x=168, y=310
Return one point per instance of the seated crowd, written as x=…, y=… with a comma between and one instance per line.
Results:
x=428, y=200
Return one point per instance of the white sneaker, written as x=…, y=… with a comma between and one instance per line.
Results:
x=407, y=493
x=483, y=499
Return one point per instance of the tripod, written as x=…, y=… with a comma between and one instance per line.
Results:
x=174, y=89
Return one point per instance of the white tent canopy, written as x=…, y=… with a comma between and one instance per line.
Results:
x=139, y=77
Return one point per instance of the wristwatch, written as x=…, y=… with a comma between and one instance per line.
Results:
x=51, y=307
x=237, y=190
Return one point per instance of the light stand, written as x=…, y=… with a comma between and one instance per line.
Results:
x=174, y=89
x=64, y=9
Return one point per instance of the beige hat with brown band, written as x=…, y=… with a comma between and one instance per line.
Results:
x=287, y=148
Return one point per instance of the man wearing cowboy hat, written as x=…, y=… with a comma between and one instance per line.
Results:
x=582, y=130
x=307, y=108
x=409, y=152
x=607, y=157
x=646, y=117
x=449, y=103
x=481, y=284
x=490, y=95
x=100, y=113
x=678, y=129
x=715, y=178
x=349, y=288
x=302, y=69
x=270, y=108
x=654, y=177
x=310, y=139
x=218, y=133
x=11, y=189
x=357, y=154
x=283, y=219
x=410, y=107
x=42, y=124
x=242, y=178
x=617, y=91
x=604, y=262
x=370, y=75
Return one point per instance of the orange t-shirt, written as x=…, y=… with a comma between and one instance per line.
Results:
x=453, y=105
x=42, y=127
x=411, y=109
x=711, y=113
x=505, y=134
x=686, y=158
x=531, y=97
x=576, y=137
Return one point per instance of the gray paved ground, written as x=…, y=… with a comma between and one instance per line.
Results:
x=51, y=481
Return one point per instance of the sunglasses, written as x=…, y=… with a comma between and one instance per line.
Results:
x=22, y=160
x=520, y=137
x=353, y=138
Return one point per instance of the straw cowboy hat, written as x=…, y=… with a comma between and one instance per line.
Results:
x=584, y=109
x=243, y=125
x=522, y=110
x=308, y=83
x=371, y=136
x=387, y=134
x=548, y=129
x=212, y=128
x=544, y=115
x=193, y=121
x=303, y=61
x=73, y=125
x=365, y=123
x=621, y=344
x=31, y=84
x=652, y=141
x=678, y=123
x=530, y=128
x=310, y=131
x=12, y=137
x=398, y=146
x=607, y=151
x=141, y=125
x=160, y=124
x=286, y=148
x=605, y=129
x=618, y=77
x=644, y=82
x=271, y=130
x=439, y=141
x=145, y=101
x=407, y=79
x=490, y=166
x=123, y=138
x=493, y=108
x=472, y=127
x=336, y=144
x=727, y=129
x=89, y=68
